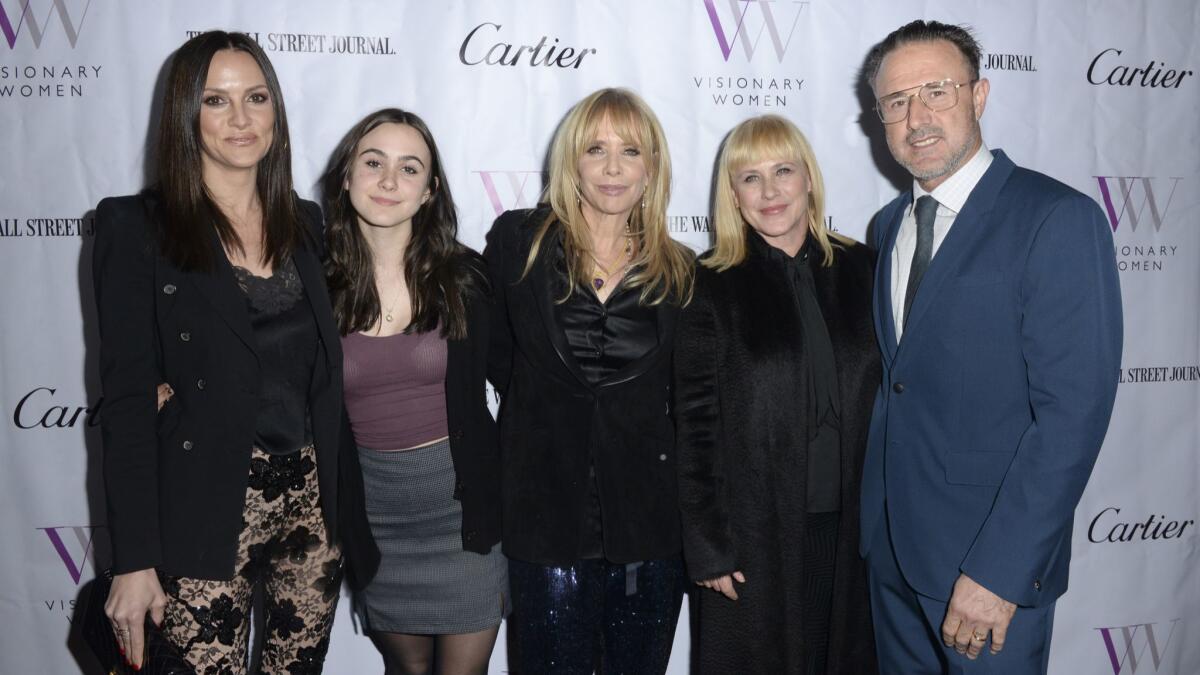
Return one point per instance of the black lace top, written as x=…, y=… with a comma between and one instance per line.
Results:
x=285, y=331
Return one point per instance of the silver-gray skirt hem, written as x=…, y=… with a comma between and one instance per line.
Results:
x=426, y=583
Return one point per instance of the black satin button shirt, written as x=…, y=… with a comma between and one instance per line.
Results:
x=604, y=337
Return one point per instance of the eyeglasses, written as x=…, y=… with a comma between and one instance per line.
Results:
x=936, y=96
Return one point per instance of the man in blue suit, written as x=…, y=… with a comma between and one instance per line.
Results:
x=998, y=313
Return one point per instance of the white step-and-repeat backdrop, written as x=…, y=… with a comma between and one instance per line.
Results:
x=1101, y=94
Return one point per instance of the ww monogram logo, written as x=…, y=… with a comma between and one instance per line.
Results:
x=79, y=538
x=514, y=185
x=1133, y=642
x=37, y=32
x=741, y=32
x=1130, y=190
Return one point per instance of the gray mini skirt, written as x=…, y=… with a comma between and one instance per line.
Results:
x=426, y=584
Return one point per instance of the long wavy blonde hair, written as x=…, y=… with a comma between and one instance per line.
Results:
x=662, y=267
x=767, y=137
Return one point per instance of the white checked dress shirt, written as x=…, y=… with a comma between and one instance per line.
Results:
x=950, y=196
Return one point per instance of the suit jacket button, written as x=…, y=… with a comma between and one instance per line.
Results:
x=185, y=336
x=1037, y=584
x=458, y=486
x=187, y=445
x=200, y=384
x=898, y=387
x=457, y=435
x=662, y=457
x=169, y=289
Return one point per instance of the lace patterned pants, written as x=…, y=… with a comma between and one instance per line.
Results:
x=282, y=545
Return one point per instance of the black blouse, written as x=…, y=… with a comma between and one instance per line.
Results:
x=824, y=483
x=606, y=336
x=285, y=331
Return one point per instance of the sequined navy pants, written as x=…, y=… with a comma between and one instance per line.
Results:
x=594, y=616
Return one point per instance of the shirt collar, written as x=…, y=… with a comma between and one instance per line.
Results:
x=953, y=192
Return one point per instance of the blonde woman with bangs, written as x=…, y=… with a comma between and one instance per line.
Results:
x=588, y=288
x=776, y=367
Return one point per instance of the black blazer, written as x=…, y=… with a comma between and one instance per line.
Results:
x=553, y=423
x=176, y=480
x=473, y=440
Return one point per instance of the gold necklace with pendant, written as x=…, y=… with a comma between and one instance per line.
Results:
x=387, y=314
x=597, y=281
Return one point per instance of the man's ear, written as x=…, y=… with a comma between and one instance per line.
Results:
x=979, y=94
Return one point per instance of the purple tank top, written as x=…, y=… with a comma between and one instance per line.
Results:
x=395, y=389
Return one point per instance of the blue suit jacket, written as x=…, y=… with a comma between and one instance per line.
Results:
x=996, y=400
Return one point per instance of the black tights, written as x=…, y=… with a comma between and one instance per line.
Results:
x=456, y=654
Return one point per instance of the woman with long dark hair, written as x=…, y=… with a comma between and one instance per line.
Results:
x=588, y=288
x=211, y=284
x=412, y=307
x=776, y=368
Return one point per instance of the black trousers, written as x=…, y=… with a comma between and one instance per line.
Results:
x=820, y=553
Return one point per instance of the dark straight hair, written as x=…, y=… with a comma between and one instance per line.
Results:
x=924, y=31
x=187, y=214
x=438, y=270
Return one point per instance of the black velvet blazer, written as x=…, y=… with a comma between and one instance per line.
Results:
x=175, y=480
x=473, y=442
x=553, y=423
x=742, y=458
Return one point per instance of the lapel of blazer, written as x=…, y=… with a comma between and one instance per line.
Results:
x=885, y=320
x=542, y=282
x=221, y=290
x=311, y=275
x=969, y=225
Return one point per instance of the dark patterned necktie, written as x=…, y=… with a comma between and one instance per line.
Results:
x=926, y=210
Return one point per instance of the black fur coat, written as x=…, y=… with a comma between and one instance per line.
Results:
x=742, y=459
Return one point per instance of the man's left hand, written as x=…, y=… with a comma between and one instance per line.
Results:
x=973, y=612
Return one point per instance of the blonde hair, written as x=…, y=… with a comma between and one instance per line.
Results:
x=663, y=267
x=757, y=139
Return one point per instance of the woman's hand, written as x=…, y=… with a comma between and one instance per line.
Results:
x=131, y=596
x=724, y=584
x=165, y=392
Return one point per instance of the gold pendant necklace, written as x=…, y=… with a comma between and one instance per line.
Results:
x=598, y=281
x=387, y=314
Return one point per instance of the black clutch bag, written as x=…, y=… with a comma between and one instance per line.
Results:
x=162, y=656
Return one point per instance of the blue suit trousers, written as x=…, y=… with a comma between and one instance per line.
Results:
x=908, y=627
